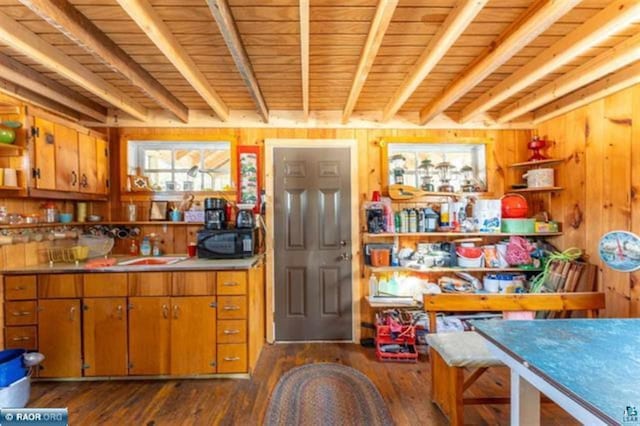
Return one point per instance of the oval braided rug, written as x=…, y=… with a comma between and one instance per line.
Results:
x=326, y=394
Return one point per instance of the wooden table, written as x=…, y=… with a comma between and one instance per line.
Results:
x=591, y=368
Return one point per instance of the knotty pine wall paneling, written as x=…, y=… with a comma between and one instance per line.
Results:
x=600, y=143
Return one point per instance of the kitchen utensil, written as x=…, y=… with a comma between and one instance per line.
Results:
x=65, y=217
x=98, y=245
x=514, y=206
x=539, y=178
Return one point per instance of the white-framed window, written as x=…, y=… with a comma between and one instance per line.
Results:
x=458, y=154
x=167, y=164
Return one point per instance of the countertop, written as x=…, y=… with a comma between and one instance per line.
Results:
x=189, y=264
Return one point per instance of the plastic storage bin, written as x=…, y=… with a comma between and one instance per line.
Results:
x=11, y=366
x=17, y=394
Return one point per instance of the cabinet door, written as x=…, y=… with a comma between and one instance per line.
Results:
x=102, y=166
x=88, y=159
x=67, y=178
x=193, y=335
x=59, y=337
x=104, y=334
x=149, y=335
x=45, y=154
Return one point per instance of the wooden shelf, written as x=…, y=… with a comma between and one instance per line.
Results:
x=526, y=164
x=444, y=194
x=10, y=147
x=546, y=189
x=462, y=234
x=447, y=269
x=78, y=224
x=10, y=188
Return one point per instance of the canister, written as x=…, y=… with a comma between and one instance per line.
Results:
x=81, y=212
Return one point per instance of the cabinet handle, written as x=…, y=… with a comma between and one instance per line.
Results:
x=231, y=358
x=231, y=308
x=85, y=181
x=74, y=178
x=20, y=313
x=20, y=338
x=165, y=311
x=230, y=284
x=19, y=288
x=231, y=331
x=72, y=312
x=119, y=311
x=176, y=311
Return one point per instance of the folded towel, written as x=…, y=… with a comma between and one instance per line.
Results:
x=100, y=263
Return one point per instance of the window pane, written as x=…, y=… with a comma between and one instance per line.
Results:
x=160, y=180
x=186, y=158
x=187, y=183
x=157, y=159
x=217, y=161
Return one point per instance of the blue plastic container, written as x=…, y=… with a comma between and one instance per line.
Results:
x=11, y=366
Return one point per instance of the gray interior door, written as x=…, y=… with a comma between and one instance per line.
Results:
x=312, y=220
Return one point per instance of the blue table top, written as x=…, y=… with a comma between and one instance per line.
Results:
x=596, y=362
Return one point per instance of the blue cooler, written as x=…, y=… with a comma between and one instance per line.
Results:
x=11, y=367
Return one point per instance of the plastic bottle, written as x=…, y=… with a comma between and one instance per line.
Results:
x=134, y=250
x=145, y=247
x=413, y=221
x=373, y=285
x=156, y=251
x=397, y=222
x=444, y=215
x=394, y=257
x=431, y=220
x=392, y=286
x=404, y=221
x=421, y=220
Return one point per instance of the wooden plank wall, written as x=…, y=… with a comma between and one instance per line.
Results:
x=600, y=143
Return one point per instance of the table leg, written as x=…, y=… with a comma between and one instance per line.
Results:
x=525, y=402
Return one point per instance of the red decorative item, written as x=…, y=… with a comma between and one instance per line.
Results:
x=514, y=206
x=249, y=176
x=537, y=145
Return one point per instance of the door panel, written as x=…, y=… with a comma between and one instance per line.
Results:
x=149, y=335
x=67, y=178
x=45, y=154
x=59, y=337
x=88, y=159
x=105, y=336
x=312, y=228
x=193, y=335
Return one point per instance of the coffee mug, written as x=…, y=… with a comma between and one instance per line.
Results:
x=10, y=177
x=171, y=185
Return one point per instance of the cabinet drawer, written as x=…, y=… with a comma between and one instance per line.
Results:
x=21, y=313
x=150, y=284
x=232, y=307
x=232, y=358
x=232, y=331
x=232, y=283
x=20, y=288
x=104, y=285
x=21, y=338
x=194, y=283
x=63, y=286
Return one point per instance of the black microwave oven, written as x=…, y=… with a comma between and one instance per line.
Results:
x=226, y=243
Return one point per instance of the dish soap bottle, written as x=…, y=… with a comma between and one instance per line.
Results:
x=134, y=250
x=156, y=251
x=145, y=247
x=373, y=286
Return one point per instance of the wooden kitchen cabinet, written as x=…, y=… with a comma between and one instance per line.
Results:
x=104, y=336
x=149, y=335
x=232, y=283
x=66, y=142
x=59, y=286
x=21, y=287
x=102, y=167
x=44, y=167
x=193, y=335
x=149, y=283
x=21, y=338
x=104, y=285
x=194, y=283
x=88, y=164
x=60, y=338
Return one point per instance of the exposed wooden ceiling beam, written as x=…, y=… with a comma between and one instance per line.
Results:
x=304, y=54
x=71, y=22
x=159, y=33
x=607, y=22
x=455, y=24
x=21, y=75
x=222, y=14
x=29, y=44
x=610, y=61
x=378, y=28
x=34, y=98
x=521, y=36
x=615, y=82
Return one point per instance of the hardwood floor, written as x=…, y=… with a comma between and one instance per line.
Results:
x=405, y=388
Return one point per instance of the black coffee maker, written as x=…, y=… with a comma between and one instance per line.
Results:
x=215, y=216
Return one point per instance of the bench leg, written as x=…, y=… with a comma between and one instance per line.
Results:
x=446, y=388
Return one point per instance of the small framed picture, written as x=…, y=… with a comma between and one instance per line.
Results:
x=158, y=210
x=139, y=183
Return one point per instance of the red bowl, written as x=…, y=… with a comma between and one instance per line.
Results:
x=514, y=206
x=469, y=252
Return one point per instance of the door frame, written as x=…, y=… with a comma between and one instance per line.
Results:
x=269, y=147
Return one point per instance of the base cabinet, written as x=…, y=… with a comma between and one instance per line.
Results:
x=104, y=336
x=59, y=337
x=193, y=335
x=149, y=335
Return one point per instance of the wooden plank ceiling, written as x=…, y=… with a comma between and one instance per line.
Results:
x=270, y=34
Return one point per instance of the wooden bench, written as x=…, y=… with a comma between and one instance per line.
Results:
x=451, y=354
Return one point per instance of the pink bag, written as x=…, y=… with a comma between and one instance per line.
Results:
x=519, y=251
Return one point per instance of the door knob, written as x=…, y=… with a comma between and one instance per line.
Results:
x=345, y=256
x=343, y=243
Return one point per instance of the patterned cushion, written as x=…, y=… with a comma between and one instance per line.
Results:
x=466, y=349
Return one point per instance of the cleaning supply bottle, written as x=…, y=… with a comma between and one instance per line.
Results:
x=145, y=247
x=134, y=250
x=373, y=285
x=392, y=286
x=156, y=250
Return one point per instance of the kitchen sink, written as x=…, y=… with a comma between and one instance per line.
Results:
x=151, y=261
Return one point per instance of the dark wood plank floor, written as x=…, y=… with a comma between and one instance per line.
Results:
x=405, y=388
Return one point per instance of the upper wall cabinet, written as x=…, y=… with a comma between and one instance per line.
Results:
x=68, y=160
